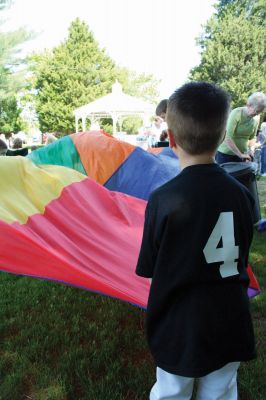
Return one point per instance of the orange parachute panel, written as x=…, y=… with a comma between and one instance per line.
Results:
x=100, y=154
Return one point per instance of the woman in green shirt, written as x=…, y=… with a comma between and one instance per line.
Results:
x=241, y=129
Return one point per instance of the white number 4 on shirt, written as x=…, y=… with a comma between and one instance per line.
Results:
x=228, y=252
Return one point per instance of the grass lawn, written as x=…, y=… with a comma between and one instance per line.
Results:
x=62, y=343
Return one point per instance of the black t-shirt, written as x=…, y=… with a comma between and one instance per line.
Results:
x=197, y=233
x=18, y=152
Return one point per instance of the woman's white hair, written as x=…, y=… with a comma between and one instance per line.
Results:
x=257, y=100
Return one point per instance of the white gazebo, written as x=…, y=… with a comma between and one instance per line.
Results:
x=116, y=105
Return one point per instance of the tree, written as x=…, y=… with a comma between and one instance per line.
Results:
x=75, y=73
x=233, y=51
x=10, y=119
x=144, y=86
x=11, y=80
x=236, y=7
x=4, y=4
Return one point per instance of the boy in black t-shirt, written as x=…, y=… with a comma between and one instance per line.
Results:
x=197, y=233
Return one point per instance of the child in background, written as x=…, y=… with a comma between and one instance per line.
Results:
x=3, y=148
x=161, y=109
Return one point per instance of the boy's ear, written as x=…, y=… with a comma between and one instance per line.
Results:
x=171, y=139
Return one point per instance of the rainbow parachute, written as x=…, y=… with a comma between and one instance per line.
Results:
x=115, y=164
x=73, y=212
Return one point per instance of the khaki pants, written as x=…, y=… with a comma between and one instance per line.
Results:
x=218, y=385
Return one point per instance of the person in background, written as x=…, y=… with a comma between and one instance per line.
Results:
x=262, y=132
x=11, y=139
x=17, y=149
x=164, y=136
x=259, y=147
x=159, y=123
x=161, y=109
x=18, y=143
x=50, y=138
x=197, y=234
x=3, y=138
x=241, y=129
x=155, y=131
x=3, y=148
x=21, y=135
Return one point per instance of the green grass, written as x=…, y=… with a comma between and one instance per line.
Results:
x=252, y=383
x=62, y=343
x=262, y=195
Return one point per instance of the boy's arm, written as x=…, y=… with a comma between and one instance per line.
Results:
x=148, y=251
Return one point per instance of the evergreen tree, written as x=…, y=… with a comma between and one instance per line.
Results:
x=75, y=73
x=233, y=50
x=10, y=120
x=11, y=78
x=236, y=7
x=11, y=81
x=4, y=4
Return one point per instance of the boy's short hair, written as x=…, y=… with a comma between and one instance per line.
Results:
x=197, y=114
x=161, y=107
x=3, y=148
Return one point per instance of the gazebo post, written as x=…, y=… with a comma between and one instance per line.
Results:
x=83, y=124
x=77, y=123
x=120, y=123
x=114, y=118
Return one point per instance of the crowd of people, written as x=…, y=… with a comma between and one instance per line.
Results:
x=15, y=145
x=245, y=133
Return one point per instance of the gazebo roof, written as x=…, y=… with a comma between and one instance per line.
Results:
x=116, y=103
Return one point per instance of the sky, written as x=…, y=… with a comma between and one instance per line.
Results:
x=150, y=36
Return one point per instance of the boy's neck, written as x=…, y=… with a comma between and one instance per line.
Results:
x=187, y=160
x=196, y=160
